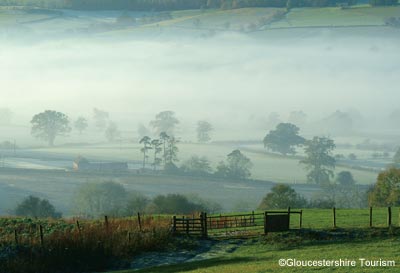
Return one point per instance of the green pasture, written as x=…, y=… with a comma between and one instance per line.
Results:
x=266, y=166
x=8, y=16
x=229, y=19
x=335, y=16
x=263, y=254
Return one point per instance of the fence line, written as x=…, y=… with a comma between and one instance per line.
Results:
x=245, y=224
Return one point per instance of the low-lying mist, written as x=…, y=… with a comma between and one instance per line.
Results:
x=233, y=80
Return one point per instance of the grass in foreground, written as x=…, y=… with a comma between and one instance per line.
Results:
x=263, y=254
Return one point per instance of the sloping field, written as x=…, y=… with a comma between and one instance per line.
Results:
x=266, y=166
x=335, y=16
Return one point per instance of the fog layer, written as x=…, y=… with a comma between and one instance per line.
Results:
x=230, y=79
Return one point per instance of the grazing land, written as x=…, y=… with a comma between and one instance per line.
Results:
x=337, y=17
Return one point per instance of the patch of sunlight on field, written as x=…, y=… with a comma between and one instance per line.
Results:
x=223, y=19
x=335, y=16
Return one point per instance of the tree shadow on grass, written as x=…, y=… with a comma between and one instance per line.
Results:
x=220, y=261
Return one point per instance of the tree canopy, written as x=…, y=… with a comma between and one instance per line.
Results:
x=319, y=160
x=345, y=178
x=196, y=165
x=165, y=122
x=95, y=200
x=282, y=196
x=175, y=203
x=81, y=124
x=50, y=124
x=203, y=131
x=386, y=191
x=237, y=166
x=35, y=207
x=283, y=139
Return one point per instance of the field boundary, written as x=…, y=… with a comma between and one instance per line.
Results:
x=255, y=224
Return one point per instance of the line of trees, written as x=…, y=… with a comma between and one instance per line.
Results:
x=319, y=161
x=163, y=5
x=166, y=145
x=50, y=124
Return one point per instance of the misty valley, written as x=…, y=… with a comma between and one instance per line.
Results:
x=198, y=135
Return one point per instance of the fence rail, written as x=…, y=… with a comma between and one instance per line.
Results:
x=246, y=224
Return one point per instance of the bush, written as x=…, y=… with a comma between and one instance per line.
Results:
x=174, y=204
x=197, y=166
x=93, y=200
x=281, y=197
x=35, y=207
x=386, y=191
x=136, y=202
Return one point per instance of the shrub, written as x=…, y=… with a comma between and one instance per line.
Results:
x=95, y=200
x=175, y=203
x=35, y=207
x=282, y=196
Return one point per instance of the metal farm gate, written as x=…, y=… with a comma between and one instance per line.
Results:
x=235, y=225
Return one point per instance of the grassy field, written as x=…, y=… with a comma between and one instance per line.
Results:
x=335, y=16
x=198, y=22
x=351, y=240
x=267, y=166
x=261, y=256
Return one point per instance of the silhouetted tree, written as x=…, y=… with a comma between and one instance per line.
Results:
x=156, y=143
x=164, y=137
x=100, y=118
x=237, y=166
x=203, y=131
x=35, y=207
x=345, y=178
x=319, y=161
x=81, y=124
x=282, y=196
x=196, y=165
x=50, y=124
x=146, y=141
x=165, y=122
x=283, y=139
x=98, y=199
x=112, y=132
x=175, y=203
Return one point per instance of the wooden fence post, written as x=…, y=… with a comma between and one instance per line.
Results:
x=205, y=225
x=41, y=235
x=370, y=216
x=265, y=223
x=334, y=217
x=16, y=237
x=139, y=221
x=187, y=226
x=301, y=218
x=288, y=213
x=174, y=224
x=106, y=222
x=389, y=218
